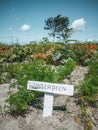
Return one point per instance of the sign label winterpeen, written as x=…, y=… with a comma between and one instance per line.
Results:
x=50, y=89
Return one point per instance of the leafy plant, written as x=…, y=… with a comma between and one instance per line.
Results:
x=89, y=88
x=83, y=53
x=19, y=101
x=64, y=71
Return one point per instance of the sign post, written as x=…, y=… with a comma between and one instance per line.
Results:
x=48, y=104
x=50, y=89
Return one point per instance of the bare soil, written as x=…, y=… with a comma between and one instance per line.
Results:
x=66, y=112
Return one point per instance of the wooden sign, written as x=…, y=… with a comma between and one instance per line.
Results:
x=50, y=89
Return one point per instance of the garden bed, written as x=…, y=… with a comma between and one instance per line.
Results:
x=64, y=117
x=21, y=109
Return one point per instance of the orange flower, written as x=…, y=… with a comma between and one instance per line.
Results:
x=1, y=51
x=93, y=47
x=39, y=55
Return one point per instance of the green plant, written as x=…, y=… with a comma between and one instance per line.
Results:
x=19, y=101
x=89, y=88
x=12, y=69
x=31, y=71
x=60, y=55
x=35, y=71
x=64, y=71
x=83, y=53
x=88, y=94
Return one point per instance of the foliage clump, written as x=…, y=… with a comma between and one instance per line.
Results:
x=89, y=88
x=36, y=71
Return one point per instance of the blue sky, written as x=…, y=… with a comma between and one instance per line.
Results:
x=25, y=19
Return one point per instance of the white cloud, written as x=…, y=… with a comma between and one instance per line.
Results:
x=79, y=24
x=90, y=40
x=25, y=27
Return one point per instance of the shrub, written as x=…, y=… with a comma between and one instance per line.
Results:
x=83, y=53
x=64, y=71
x=89, y=88
x=19, y=101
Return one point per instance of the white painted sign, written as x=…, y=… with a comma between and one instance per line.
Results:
x=50, y=89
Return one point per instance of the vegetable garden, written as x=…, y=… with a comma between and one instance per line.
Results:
x=48, y=62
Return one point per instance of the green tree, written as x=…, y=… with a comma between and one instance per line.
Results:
x=59, y=27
